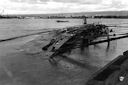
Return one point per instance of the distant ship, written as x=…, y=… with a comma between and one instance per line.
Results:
x=61, y=21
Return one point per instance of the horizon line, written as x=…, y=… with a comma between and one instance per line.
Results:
x=67, y=12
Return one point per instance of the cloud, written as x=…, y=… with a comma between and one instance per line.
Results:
x=118, y=4
x=59, y=1
x=79, y=1
x=59, y=6
x=114, y=5
x=30, y=1
x=23, y=8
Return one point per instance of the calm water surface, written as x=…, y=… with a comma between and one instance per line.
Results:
x=16, y=27
x=101, y=53
x=25, y=69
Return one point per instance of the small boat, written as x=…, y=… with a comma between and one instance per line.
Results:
x=113, y=73
x=61, y=21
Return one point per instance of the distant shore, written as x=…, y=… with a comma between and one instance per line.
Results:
x=63, y=17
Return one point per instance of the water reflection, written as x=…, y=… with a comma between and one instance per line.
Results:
x=81, y=64
x=96, y=55
x=75, y=62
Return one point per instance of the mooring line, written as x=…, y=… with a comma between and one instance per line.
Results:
x=3, y=40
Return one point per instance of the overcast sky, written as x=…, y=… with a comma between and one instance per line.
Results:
x=60, y=6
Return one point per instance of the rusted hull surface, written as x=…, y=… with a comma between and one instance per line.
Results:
x=68, y=38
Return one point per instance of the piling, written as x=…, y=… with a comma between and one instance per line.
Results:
x=85, y=20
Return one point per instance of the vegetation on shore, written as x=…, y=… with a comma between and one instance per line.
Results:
x=108, y=16
x=8, y=17
x=75, y=15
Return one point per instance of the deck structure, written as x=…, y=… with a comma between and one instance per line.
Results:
x=74, y=37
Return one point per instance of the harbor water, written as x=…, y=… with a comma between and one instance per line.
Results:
x=19, y=68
